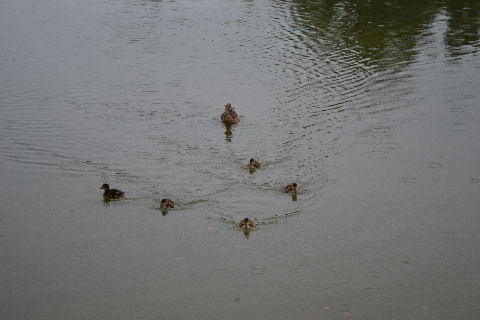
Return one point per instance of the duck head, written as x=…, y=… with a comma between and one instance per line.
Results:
x=228, y=108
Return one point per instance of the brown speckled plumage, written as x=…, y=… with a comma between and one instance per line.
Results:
x=291, y=188
x=253, y=164
x=246, y=224
x=230, y=116
x=167, y=203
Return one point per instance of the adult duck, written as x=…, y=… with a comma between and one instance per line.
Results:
x=229, y=116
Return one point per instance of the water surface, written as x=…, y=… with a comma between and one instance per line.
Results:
x=373, y=109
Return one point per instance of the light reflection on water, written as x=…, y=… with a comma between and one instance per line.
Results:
x=131, y=93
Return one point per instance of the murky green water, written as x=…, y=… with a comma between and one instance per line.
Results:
x=371, y=107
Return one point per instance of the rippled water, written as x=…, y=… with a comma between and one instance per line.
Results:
x=371, y=107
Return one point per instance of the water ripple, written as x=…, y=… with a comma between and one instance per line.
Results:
x=135, y=95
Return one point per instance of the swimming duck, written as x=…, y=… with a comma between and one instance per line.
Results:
x=246, y=224
x=291, y=188
x=111, y=193
x=253, y=164
x=230, y=116
x=166, y=203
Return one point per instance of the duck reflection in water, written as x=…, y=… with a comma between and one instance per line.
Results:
x=246, y=233
x=228, y=132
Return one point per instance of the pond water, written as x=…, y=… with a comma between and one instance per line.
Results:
x=372, y=107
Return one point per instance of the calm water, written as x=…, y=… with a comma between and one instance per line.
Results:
x=373, y=108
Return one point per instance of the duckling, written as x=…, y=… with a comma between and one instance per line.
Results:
x=246, y=224
x=111, y=193
x=229, y=116
x=291, y=188
x=166, y=203
x=253, y=164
